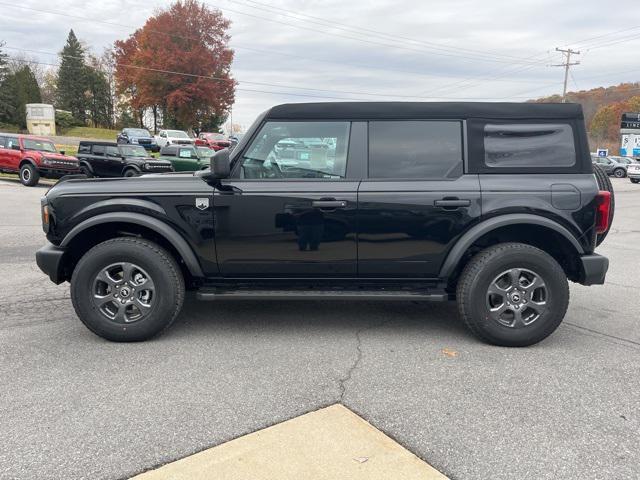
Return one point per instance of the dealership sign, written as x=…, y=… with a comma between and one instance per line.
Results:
x=630, y=135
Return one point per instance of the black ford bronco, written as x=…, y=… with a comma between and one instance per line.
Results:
x=494, y=205
x=110, y=159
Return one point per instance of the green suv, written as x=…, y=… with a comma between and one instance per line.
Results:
x=187, y=158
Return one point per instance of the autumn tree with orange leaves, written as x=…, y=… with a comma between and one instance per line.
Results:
x=178, y=65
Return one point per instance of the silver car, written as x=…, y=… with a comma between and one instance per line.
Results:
x=616, y=166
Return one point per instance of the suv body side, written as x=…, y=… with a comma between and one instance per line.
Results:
x=183, y=158
x=391, y=229
x=15, y=151
x=106, y=159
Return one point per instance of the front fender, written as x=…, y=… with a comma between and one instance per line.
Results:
x=161, y=228
x=474, y=233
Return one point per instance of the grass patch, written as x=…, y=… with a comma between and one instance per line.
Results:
x=9, y=128
x=95, y=133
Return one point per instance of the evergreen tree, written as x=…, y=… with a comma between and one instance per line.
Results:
x=6, y=100
x=98, y=97
x=22, y=88
x=72, y=78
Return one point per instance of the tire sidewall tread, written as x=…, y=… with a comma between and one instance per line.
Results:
x=482, y=269
x=158, y=263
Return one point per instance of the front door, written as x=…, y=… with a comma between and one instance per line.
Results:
x=289, y=208
x=417, y=199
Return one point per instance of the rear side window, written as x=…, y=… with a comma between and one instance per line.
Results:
x=529, y=145
x=415, y=149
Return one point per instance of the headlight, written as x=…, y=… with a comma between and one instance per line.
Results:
x=47, y=161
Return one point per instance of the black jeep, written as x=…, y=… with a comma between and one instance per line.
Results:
x=494, y=205
x=108, y=159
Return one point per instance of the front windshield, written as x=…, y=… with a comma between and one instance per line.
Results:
x=40, y=145
x=177, y=134
x=137, y=132
x=133, y=151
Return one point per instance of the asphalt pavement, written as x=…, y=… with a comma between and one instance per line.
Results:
x=75, y=406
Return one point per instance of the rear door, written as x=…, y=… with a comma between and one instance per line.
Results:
x=9, y=156
x=417, y=199
x=293, y=215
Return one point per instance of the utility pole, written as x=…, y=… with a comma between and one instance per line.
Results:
x=566, y=53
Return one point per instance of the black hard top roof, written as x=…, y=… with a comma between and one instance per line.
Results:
x=409, y=110
x=91, y=142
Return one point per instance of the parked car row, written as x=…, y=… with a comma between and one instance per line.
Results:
x=613, y=165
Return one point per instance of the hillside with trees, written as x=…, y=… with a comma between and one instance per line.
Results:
x=603, y=108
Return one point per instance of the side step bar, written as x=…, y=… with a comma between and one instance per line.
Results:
x=369, y=295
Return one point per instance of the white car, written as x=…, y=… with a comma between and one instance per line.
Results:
x=173, y=137
x=633, y=172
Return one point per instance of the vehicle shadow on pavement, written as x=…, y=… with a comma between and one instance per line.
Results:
x=316, y=316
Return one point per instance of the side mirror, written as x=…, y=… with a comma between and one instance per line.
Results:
x=61, y=152
x=220, y=164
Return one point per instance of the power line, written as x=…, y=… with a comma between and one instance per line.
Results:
x=361, y=30
x=205, y=77
x=261, y=18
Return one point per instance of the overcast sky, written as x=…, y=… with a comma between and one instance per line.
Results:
x=373, y=49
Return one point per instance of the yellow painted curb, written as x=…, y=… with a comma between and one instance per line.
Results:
x=328, y=444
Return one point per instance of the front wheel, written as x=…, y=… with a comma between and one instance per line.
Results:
x=513, y=295
x=127, y=289
x=130, y=172
x=635, y=180
x=29, y=175
x=619, y=173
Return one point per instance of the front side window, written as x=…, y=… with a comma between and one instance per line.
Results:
x=415, y=149
x=112, y=152
x=298, y=150
x=98, y=150
x=529, y=145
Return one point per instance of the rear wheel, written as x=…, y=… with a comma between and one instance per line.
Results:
x=513, y=295
x=604, y=184
x=29, y=175
x=127, y=289
x=619, y=173
x=85, y=171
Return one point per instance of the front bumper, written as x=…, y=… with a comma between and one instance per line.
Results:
x=50, y=260
x=593, y=269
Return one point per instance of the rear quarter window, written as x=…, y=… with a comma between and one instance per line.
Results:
x=529, y=145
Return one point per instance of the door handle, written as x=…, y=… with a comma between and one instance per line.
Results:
x=452, y=203
x=329, y=204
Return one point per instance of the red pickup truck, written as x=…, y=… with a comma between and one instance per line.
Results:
x=34, y=157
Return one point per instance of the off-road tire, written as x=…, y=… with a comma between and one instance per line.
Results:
x=85, y=171
x=29, y=175
x=634, y=180
x=160, y=265
x=479, y=274
x=604, y=183
x=130, y=172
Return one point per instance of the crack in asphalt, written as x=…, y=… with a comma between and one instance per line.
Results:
x=342, y=382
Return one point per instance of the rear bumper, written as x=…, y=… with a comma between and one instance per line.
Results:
x=50, y=260
x=593, y=269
